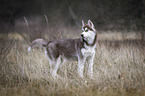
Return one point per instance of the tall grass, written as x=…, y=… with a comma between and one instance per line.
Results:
x=118, y=70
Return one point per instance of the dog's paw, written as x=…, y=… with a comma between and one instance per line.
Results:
x=29, y=49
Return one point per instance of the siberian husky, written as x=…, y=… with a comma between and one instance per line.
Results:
x=81, y=50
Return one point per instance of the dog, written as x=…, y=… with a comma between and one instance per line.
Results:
x=81, y=50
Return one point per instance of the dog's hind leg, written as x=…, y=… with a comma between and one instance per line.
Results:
x=56, y=66
x=51, y=64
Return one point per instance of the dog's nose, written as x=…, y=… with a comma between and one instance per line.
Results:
x=82, y=35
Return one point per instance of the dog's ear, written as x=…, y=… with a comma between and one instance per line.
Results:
x=83, y=23
x=90, y=23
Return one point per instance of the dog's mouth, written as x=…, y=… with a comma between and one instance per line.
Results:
x=83, y=38
x=82, y=35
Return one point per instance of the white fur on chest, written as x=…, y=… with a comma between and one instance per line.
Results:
x=88, y=51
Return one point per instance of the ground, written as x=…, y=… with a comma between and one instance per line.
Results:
x=119, y=66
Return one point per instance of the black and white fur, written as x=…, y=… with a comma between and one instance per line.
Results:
x=81, y=50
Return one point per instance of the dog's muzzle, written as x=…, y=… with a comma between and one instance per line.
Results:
x=83, y=38
x=82, y=35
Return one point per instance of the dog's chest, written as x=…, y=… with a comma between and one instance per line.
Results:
x=88, y=51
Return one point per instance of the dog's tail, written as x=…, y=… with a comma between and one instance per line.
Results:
x=38, y=43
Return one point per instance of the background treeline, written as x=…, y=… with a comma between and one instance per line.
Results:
x=106, y=14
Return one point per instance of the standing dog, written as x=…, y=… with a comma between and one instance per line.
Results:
x=81, y=49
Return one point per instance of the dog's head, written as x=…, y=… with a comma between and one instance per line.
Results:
x=88, y=32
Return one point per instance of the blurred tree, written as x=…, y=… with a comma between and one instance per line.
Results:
x=101, y=11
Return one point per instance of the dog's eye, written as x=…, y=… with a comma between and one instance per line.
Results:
x=86, y=30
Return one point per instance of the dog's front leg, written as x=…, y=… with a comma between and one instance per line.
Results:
x=81, y=62
x=90, y=63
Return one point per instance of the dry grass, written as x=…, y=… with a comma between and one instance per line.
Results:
x=118, y=70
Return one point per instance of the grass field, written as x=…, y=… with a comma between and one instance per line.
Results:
x=119, y=69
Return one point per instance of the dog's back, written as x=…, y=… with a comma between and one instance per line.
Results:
x=66, y=48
